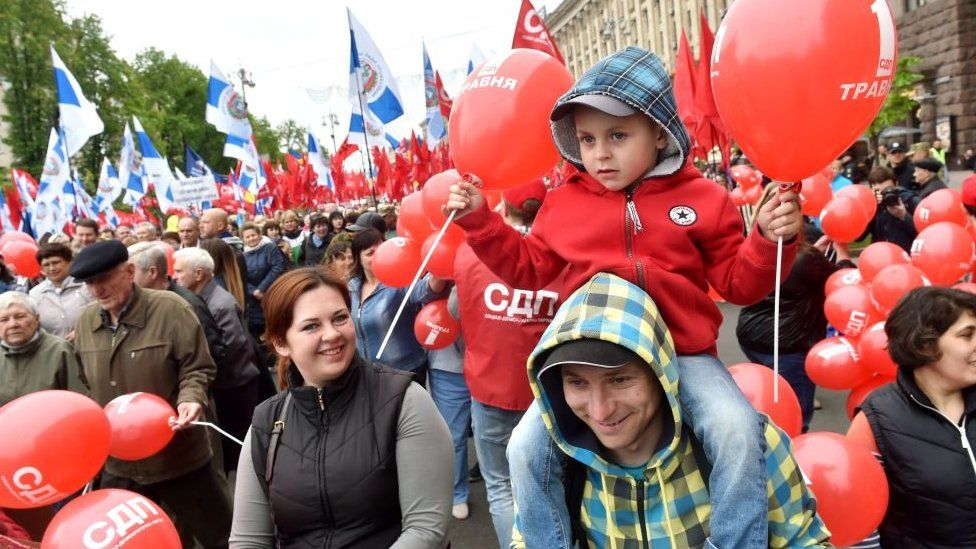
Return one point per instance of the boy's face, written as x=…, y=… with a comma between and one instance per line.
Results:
x=620, y=405
x=617, y=150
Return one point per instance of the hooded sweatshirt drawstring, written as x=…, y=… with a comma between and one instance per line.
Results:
x=664, y=503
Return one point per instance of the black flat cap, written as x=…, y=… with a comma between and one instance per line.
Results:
x=929, y=164
x=369, y=220
x=98, y=258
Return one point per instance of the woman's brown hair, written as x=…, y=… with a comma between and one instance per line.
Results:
x=916, y=324
x=225, y=264
x=279, y=306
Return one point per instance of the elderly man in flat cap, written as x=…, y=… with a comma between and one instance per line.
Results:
x=139, y=340
x=927, y=177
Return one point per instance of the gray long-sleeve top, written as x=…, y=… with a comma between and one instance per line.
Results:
x=425, y=473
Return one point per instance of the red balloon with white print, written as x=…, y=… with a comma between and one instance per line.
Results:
x=435, y=327
x=111, y=518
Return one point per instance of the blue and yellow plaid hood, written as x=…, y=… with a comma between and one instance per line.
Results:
x=609, y=308
x=638, y=78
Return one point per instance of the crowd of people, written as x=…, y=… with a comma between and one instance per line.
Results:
x=587, y=372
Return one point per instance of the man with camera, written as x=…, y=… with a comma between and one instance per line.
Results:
x=893, y=220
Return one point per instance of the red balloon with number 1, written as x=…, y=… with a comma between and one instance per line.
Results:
x=796, y=82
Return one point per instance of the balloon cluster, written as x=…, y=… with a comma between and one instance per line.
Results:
x=57, y=441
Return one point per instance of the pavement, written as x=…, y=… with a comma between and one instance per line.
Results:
x=477, y=532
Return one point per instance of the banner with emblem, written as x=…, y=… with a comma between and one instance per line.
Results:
x=531, y=33
x=226, y=109
x=371, y=76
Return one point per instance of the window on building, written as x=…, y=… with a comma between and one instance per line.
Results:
x=912, y=5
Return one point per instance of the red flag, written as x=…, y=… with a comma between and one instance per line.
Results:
x=710, y=131
x=445, y=100
x=684, y=84
x=531, y=33
x=345, y=150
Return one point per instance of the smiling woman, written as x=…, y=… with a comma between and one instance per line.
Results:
x=371, y=438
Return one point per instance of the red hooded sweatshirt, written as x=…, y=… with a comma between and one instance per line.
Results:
x=507, y=324
x=687, y=234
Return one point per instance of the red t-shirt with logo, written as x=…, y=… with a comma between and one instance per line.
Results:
x=501, y=326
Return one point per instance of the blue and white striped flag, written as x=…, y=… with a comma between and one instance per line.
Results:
x=318, y=162
x=79, y=119
x=370, y=75
x=436, y=128
x=226, y=109
x=109, y=184
x=155, y=168
x=475, y=58
x=252, y=176
x=130, y=170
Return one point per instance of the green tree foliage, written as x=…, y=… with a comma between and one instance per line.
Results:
x=901, y=99
x=167, y=94
x=292, y=136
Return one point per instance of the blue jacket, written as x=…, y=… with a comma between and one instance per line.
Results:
x=264, y=265
x=374, y=317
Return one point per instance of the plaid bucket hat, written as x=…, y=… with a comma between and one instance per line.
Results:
x=637, y=78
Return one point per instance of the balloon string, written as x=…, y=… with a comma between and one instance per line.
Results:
x=416, y=277
x=219, y=430
x=87, y=488
x=779, y=272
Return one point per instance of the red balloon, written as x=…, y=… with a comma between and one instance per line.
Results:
x=894, y=282
x=942, y=205
x=850, y=310
x=843, y=219
x=434, y=326
x=861, y=392
x=944, y=252
x=864, y=196
x=848, y=482
x=879, y=255
x=966, y=287
x=499, y=127
x=861, y=433
x=738, y=196
x=441, y=263
x=54, y=443
x=815, y=194
x=493, y=198
x=140, y=425
x=434, y=196
x=797, y=82
x=111, y=518
x=833, y=364
x=22, y=257
x=396, y=262
x=843, y=277
x=745, y=176
x=873, y=351
x=756, y=382
x=15, y=236
x=412, y=222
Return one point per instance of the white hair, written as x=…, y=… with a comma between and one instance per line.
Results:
x=148, y=254
x=11, y=298
x=196, y=258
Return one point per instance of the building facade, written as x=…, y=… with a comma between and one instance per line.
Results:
x=941, y=32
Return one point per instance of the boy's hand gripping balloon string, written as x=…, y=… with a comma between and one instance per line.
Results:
x=783, y=188
x=423, y=266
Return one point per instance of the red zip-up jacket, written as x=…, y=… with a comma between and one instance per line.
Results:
x=672, y=236
x=502, y=326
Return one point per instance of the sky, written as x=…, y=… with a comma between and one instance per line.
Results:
x=297, y=51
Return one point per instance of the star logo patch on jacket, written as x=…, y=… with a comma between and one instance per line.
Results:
x=683, y=215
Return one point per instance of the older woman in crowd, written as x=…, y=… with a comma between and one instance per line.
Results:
x=60, y=298
x=924, y=424
x=351, y=454
x=264, y=265
x=31, y=359
x=338, y=258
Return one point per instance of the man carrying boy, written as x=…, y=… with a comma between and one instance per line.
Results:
x=640, y=210
x=607, y=381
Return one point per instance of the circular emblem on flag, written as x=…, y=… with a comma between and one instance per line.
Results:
x=52, y=165
x=372, y=129
x=104, y=187
x=232, y=104
x=135, y=162
x=372, y=78
x=683, y=215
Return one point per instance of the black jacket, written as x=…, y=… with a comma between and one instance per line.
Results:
x=313, y=255
x=206, y=319
x=802, y=320
x=888, y=228
x=905, y=175
x=334, y=480
x=931, y=472
x=935, y=184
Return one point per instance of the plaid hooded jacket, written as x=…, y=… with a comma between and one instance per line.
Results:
x=668, y=505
